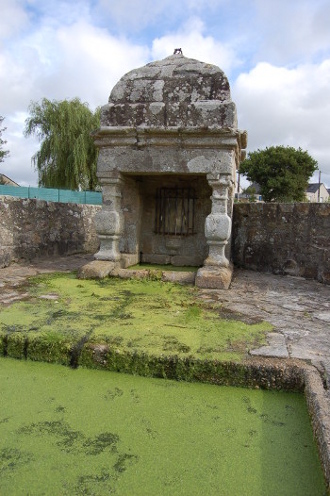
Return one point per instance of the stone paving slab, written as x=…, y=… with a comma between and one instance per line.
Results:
x=298, y=309
x=276, y=347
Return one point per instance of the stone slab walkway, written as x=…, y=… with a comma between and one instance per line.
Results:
x=298, y=309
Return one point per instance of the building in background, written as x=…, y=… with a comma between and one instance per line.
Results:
x=317, y=193
x=6, y=181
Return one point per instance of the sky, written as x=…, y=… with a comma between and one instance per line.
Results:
x=275, y=53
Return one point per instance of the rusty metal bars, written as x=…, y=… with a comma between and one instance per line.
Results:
x=175, y=211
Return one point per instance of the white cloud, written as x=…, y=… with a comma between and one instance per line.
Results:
x=290, y=32
x=92, y=61
x=196, y=45
x=13, y=18
x=57, y=63
x=61, y=49
x=280, y=106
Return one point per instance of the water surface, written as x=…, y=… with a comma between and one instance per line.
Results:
x=87, y=432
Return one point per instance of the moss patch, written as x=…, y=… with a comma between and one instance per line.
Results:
x=64, y=318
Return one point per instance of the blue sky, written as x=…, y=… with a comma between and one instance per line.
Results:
x=276, y=54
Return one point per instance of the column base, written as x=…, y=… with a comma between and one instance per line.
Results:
x=214, y=277
x=108, y=248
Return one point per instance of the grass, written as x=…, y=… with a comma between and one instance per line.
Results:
x=84, y=432
x=65, y=318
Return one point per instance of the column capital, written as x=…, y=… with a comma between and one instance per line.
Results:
x=215, y=179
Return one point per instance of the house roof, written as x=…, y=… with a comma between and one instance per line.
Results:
x=256, y=187
x=7, y=181
x=313, y=187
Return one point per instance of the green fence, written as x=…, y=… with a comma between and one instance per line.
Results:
x=53, y=195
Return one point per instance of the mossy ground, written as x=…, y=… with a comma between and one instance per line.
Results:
x=150, y=317
x=84, y=432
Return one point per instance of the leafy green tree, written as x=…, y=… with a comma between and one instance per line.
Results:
x=251, y=191
x=67, y=157
x=3, y=153
x=281, y=172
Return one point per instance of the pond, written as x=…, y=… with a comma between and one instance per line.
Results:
x=84, y=432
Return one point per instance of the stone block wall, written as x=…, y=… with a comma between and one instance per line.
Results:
x=291, y=239
x=32, y=228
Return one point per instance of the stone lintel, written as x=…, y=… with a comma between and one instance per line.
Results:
x=209, y=137
x=130, y=130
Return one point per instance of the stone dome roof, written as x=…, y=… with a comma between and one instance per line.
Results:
x=174, y=92
x=176, y=79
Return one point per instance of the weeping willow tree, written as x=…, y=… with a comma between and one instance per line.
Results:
x=67, y=157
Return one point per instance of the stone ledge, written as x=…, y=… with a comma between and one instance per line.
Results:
x=318, y=403
x=97, y=269
x=131, y=273
x=163, y=275
x=100, y=269
x=206, y=277
x=179, y=277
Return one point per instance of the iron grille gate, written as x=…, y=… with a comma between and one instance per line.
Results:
x=175, y=211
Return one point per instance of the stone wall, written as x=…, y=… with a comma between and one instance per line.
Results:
x=35, y=228
x=291, y=239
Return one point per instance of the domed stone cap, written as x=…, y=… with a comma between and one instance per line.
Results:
x=174, y=92
x=176, y=79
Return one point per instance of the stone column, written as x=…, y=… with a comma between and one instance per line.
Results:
x=108, y=221
x=217, y=270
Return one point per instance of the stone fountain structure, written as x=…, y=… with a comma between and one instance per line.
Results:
x=169, y=148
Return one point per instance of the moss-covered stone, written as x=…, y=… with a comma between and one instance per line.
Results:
x=16, y=344
x=63, y=315
x=49, y=347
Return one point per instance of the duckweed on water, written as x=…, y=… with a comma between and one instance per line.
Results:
x=64, y=315
x=84, y=432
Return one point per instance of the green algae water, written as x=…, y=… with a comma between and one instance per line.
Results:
x=88, y=432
